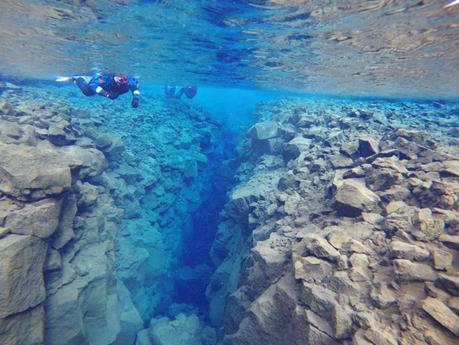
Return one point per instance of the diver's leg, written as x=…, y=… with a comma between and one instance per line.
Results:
x=83, y=84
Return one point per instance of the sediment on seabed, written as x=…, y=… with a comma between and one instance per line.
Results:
x=340, y=224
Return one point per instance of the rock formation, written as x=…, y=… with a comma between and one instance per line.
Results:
x=58, y=231
x=341, y=226
x=342, y=229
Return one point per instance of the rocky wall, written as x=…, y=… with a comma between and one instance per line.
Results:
x=342, y=228
x=58, y=229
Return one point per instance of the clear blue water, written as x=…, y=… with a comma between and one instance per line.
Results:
x=392, y=56
x=392, y=48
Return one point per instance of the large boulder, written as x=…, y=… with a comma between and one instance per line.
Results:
x=264, y=130
x=186, y=330
x=368, y=146
x=35, y=172
x=29, y=172
x=353, y=197
x=40, y=218
x=294, y=147
x=21, y=273
x=442, y=314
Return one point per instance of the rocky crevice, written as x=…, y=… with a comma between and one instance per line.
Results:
x=341, y=226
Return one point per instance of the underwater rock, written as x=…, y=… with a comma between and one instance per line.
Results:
x=385, y=246
x=352, y=198
x=21, y=277
x=368, y=146
x=24, y=328
x=40, y=218
x=442, y=314
x=264, y=130
x=185, y=330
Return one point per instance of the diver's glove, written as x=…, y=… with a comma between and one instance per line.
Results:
x=135, y=102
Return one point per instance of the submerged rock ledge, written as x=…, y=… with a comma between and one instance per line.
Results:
x=341, y=227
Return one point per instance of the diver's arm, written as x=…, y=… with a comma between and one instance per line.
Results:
x=94, y=85
x=134, y=86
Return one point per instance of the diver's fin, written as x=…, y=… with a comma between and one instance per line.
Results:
x=64, y=79
x=454, y=3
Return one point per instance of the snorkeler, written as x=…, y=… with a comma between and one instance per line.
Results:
x=106, y=85
x=189, y=91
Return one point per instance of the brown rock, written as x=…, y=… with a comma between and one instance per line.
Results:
x=407, y=271
x=453, y=304
x=450, y=241
x=449, y=283
x=312, y=269
x=382, y=297
x=442, y=314
x=451, y=168
x=442, y=260
x=402, y=250
x=318, y=246
x=352, y=198
x=426, y=228
x=380, y=337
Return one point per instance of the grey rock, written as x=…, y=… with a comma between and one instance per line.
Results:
x=264, y=130
x=25, y=328
x=295, y=147
x=186, y=330
x=64, y=232
x=367, y=146
x=143, y=338
x=21, y=273
x=53, y=260
x=40, y=218
x=341, y=161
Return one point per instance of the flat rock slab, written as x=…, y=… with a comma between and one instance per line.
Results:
x=264, y=130
x=408, y=271
x=442, y=314
x=28, y=172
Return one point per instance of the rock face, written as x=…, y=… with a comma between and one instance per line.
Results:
x=355, y=242
x=56, y=260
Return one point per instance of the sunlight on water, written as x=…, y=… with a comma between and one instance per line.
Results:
x=384, y=47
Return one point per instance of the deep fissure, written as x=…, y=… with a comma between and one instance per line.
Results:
x=180, y=211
